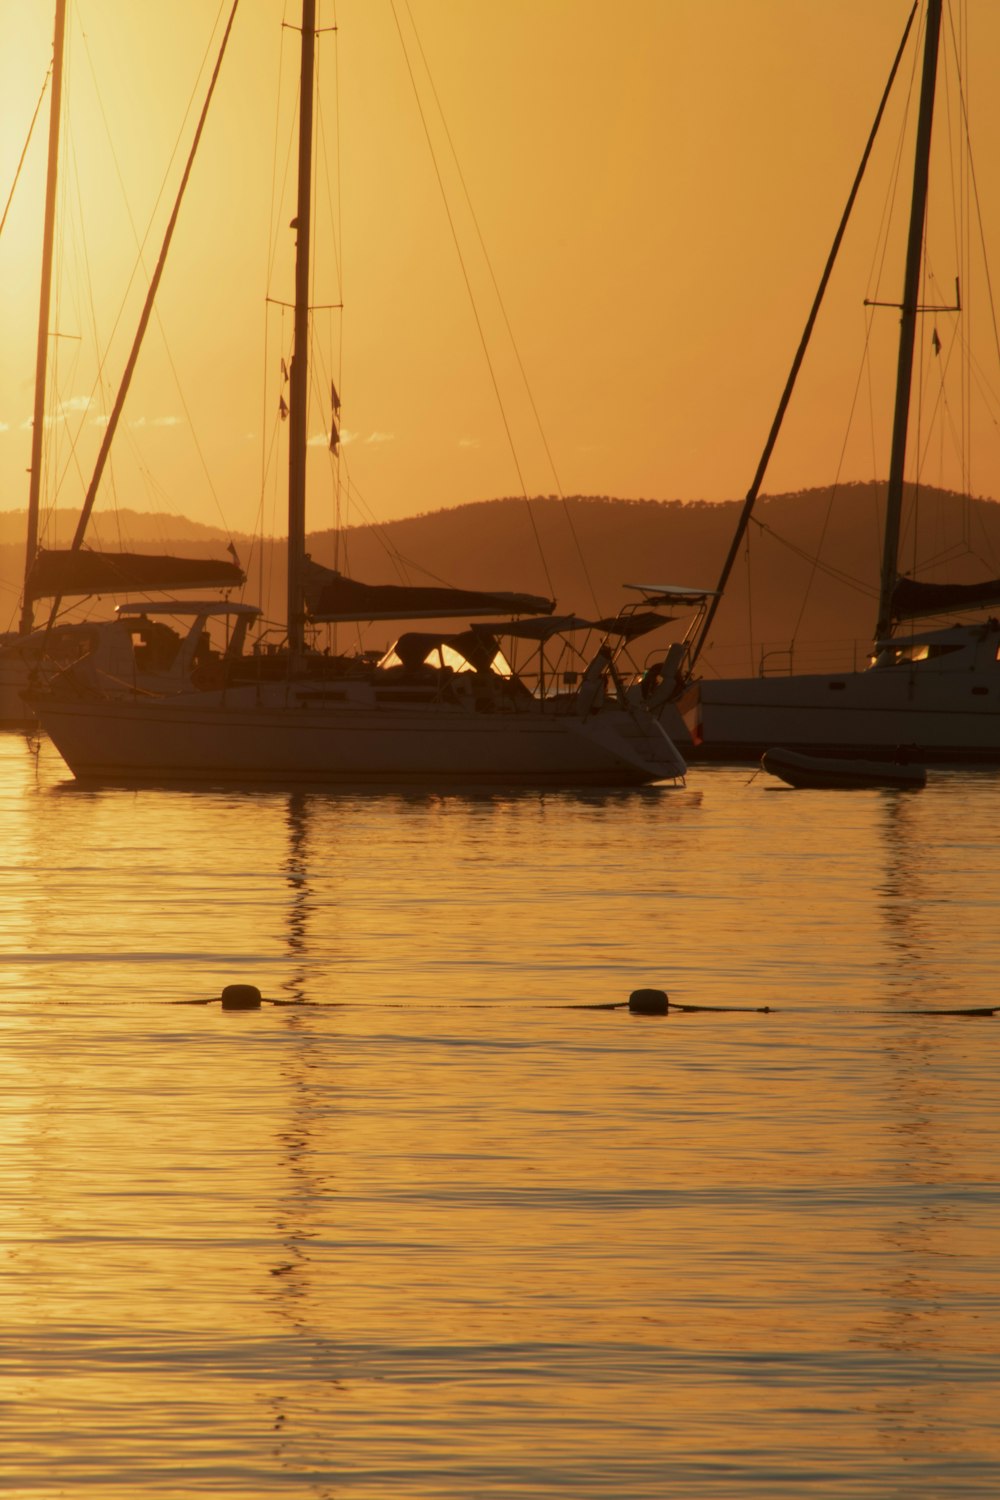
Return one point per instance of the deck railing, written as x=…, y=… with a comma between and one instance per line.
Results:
x=783, y=658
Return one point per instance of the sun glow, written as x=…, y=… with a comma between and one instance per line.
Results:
x=656, y=200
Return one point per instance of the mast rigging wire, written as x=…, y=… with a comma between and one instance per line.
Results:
x=472, y=299
x=24, y=149
x=786, y=395
x=506, y=319
x=91, y=495
x=140, y=241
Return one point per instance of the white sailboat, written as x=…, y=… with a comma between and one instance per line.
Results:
x=936, y=691
x=121, y=648
x=438, y=707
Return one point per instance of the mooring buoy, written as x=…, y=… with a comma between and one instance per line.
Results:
x=241, y=997
x=648, y=1002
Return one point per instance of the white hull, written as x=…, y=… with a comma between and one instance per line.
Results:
x=943, y=708
x=208, y=737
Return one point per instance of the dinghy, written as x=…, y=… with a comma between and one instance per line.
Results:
x=800, y=770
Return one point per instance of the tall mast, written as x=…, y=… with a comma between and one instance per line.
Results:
x=750, y=501
x=298, y=389
x=45, y=297
x=908, y=323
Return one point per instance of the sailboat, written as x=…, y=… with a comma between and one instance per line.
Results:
x=440, y=706
x=934, y=692
x=130, y=646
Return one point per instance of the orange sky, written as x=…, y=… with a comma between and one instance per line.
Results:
x=656, y=185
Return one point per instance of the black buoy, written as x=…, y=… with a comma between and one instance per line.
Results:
x=648, y=1002
x=241, y=997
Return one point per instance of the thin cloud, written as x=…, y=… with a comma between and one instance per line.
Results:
x=380, y=437
x=52, y=420
x=468, y=442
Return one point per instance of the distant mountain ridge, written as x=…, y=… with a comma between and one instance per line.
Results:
x=583, y=546
x=139, y=527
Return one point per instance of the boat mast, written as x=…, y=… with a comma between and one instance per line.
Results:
x=42, y=350
x=298, y=385
x=750, y=500
x=908, y=323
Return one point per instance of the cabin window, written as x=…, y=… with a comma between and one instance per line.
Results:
x=906, y=656
x=836, y=687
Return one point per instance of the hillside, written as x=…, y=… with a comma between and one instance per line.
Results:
x=139, y=527
x=492, y=544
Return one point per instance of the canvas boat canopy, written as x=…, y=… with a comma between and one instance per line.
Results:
x=533, y=630
x=630, y=626
x=471, y=649
x=912, y=599
x=626, y=625
x=330, y=596
x=60, y=573
x=672, y=594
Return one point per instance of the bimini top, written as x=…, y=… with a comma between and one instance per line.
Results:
x=625, y=625
x=672, y=594
x=533, y=630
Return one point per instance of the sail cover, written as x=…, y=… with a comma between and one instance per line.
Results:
x=911, y=599
x=332, y=596
x=57, y=573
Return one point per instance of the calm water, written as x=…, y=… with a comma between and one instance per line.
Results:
x=435, y=1227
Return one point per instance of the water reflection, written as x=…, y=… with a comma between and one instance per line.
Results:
x=430, y=1230
x=294, y=1296
x=906, y=899
x=929, y=1227
x=299, y=894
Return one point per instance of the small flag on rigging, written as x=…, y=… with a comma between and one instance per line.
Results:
x=935, y=342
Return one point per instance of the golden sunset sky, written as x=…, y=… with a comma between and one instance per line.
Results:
x=656, y=185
